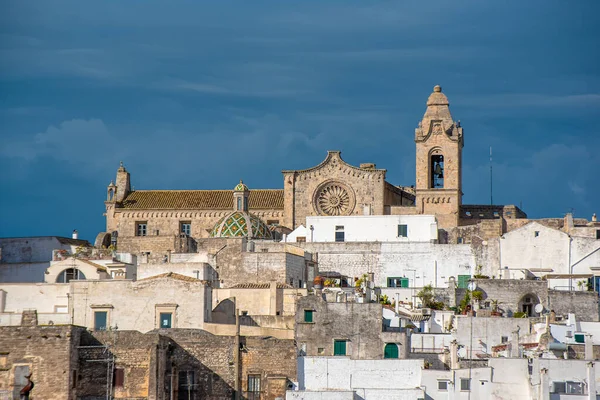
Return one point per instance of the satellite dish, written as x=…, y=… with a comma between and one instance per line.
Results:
x=472, y=286
x=539, y=308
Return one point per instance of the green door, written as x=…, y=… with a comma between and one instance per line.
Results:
x=403, y=282
x=390, y=350
x=463, y=281
x=339, y=347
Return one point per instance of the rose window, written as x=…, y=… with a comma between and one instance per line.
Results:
x=334, y=199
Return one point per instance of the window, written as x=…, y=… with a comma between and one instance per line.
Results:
x=397, y=282
x=559, y=387
x=465, y=384
x=186, y=385
x=239, y=204
x=73, y=379
x=119, y=377
x=301, y=239
x=579, y=338
x=185, y=228
x=597, y=233
x=442, y=386
x=141, y=228
x=320, y=350
x=574, y=387
x=536, y=233
x=459, y=240
x=339, y=347
x=165, y=316
x=390, y=350
x=308, y=315
x=437, y=171
x=469, y=214
x=496, y=214
x=339, y=233
x=273, y=222
x=166, y=320
x=504, y=339
x=253, y=387
x=69, y=274
x=463, y=281
x=100, y=320
x=402, y=230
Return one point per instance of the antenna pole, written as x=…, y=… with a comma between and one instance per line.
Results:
x=491, y=181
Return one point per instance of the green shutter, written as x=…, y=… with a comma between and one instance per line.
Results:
x=403, y=282
x=339, y=348
x=308, y=315
x=402, y=230
x=463, y=281
x=390, y=350
x=579, y=338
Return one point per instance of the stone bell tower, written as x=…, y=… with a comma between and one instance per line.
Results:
x=439, y=142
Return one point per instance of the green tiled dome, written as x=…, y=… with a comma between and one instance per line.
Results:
x=241, y=187
x=238, y=224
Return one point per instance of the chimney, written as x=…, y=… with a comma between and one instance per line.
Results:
x=594, y=217
x=514, y=344
x=75, y=234
x=454, y=355
x=544, y=384
x=397, y=305
x=591, y=381
x=589, y=347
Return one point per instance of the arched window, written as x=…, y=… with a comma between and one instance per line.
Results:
x=390, y=350
x=69, y=274
x=437, y=171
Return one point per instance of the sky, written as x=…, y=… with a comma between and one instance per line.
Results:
x=200, y=94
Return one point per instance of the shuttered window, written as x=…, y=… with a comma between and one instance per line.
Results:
x=339, y=347
x=308, y=315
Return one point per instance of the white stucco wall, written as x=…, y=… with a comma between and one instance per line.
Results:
x=40, y=296
x=370, y=228
x=342, y=373
x=480, y=383
x=549, y=252
x=26, y=259
x=486, y=332
x=132, y=305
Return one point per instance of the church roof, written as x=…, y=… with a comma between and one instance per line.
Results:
x=240, y=223
x=200, y=199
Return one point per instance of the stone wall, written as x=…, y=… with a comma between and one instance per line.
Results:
x=360, y=324
x=583, y=304
x=135, y=353
x=361, y=187
x=44, y=351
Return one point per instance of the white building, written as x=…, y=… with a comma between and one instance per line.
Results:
x=342, y=378
x=26, y=259
x=367, y=228
x=535, y=249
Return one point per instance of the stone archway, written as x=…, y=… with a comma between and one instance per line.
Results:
x=527, y=304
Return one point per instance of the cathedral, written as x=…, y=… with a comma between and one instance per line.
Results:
x=161, y=220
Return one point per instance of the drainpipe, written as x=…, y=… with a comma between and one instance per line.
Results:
x=236, y=351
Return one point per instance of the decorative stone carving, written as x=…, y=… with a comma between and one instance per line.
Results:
x=334, y=198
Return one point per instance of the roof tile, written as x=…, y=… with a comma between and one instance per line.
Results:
x=200, y=199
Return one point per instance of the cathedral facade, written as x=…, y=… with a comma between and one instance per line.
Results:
x=162, y=220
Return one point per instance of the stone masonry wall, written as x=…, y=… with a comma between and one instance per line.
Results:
x=45, y=351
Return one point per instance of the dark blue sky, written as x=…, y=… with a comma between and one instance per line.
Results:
x=198, y=94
